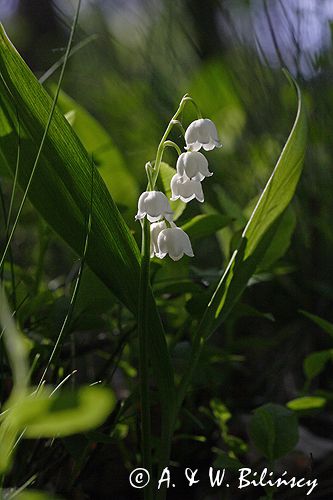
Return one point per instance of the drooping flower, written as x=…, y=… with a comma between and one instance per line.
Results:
x=194, y=165
x=155, y=205
x=186, y=189
x=175, y=242
x=155, y=230
x=202, y=133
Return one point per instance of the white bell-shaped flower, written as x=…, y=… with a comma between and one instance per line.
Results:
x=194, y=165
x=155, y=230
x=186, y=189
x=155, y=205
x=175, y=242
x=202, y=133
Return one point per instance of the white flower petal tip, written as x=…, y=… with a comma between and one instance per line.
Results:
x=202, y=133
x=194, y=165
x=174, y=242
x=155, y=206
x=186, y=189
x=155, y=230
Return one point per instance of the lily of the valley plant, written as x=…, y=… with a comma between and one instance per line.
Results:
x=161, y=236
x=192, y=168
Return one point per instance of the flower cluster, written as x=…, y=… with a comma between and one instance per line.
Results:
x=192, y=168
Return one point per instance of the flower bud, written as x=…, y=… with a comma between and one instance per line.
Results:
x=194, y=165
x=186, y=189
x=202, y=133
x=155, y=230
x=175, y=242
x=155, y=205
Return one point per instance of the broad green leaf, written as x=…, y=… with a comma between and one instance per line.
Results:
x=281, y=240
x=61, y=188
x=62, y=414
x=274, y=430
x=315, y=363
x=166, y=174
x=262, y=225
x=111, y=165
x=322, y=323
x=47, y=415
x=307, y=403
x=205, y=225
x=61, y=191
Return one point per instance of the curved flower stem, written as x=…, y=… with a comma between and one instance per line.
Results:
x=172, y=144
x=180, y=126
x=187, y=98
x=172, y=122
x=143, y=355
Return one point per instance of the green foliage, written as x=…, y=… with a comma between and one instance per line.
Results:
x=61, y=187
x=307, y=403
x=131, y=90
x=281, y=240
x=109, y=160
x=315, y=363
x=35, y=495
x=61, y=192
x=205, y=225
x=274, y=430
x=262, y=225
x=43, y=414
x=325, y=325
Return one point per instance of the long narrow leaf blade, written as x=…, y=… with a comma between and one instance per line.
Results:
x=262, y=224
x=61, y=189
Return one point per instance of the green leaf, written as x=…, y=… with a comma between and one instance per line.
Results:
x=315, y=363
x=306, y=403
x=35, y=495
x=46, y=415
x=111, y=165
x=262, y=225
x=166, y=174
x=274, y=430
x=205, y=225
x=281, y=240
x=322, y=323
x=61, y=187
x=224, y=461
x=16, y=346
x=61, y=190
x=62, y=414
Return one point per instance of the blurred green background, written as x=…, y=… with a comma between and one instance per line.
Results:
x=135, y=60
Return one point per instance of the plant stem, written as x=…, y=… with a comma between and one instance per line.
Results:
x=169, y=423
x=161, y=145
x=143, y=355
